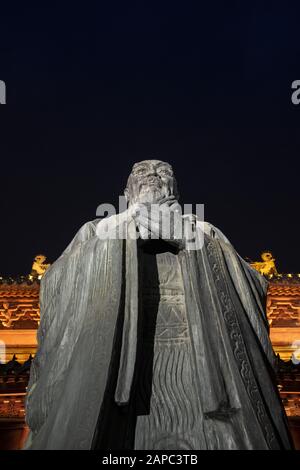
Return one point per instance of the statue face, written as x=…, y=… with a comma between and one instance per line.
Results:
x=40, y=259
x=149, y=181
x=266, y=256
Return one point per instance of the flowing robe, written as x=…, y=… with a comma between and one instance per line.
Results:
x=168, y=408
x=86, y=376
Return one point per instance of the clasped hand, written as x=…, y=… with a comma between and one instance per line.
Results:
x=162, y=219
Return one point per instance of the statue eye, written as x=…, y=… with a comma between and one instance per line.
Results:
x=140, y=171
x=165, y=172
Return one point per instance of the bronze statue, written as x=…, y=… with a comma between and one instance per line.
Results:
x=145, y=343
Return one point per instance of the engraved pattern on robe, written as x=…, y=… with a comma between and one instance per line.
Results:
x=174, y=420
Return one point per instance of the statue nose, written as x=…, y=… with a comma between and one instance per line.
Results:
x=153, y=172
x=153, y=176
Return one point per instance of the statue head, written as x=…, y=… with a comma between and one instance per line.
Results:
x=267, y=256
x=149, y=181
x=40, y=259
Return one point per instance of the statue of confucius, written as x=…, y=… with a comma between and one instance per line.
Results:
x=145, y=343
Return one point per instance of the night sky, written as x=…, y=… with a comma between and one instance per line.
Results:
x=93, y=88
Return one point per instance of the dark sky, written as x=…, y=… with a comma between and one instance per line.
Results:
x=93, y=88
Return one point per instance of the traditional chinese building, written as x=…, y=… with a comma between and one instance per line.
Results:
x=19, y=319
x=283, y=310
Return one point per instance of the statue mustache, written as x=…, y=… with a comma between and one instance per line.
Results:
x=151, y=180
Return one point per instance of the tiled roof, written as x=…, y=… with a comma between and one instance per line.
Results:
x=19, y=280
x=291, y=278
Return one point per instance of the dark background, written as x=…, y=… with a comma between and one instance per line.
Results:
x=92, y=88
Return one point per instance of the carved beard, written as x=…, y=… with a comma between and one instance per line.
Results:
x=152, y=193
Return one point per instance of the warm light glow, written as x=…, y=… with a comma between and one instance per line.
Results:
x=267, y=265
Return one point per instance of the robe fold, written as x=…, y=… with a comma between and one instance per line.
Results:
x=84, y=373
